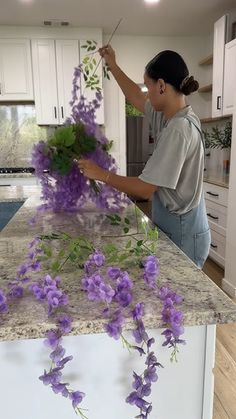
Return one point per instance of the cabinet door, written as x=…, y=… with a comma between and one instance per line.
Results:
x=97, y=69
x=218, y=66
x=15, y=70
x=229, y=77
x=67, y=58
x=45, y=81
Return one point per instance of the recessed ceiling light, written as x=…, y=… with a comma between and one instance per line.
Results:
x=151, y=1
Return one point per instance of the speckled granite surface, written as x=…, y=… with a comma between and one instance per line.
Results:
x=204, y=302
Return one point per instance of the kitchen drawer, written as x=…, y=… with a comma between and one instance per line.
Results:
x=217, y=248
x=217, y=216
x=216, y=193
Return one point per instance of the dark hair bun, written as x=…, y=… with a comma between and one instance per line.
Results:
x=189, y=85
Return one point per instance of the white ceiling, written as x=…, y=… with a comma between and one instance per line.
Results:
x=167, y=17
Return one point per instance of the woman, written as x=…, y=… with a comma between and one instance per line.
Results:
x=173, y=176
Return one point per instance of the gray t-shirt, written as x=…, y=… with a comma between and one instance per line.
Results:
x=177, y=163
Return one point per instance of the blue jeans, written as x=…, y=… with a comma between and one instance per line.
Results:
x=188, y=231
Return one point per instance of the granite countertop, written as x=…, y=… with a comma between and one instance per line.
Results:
x=204, y=302
x=18, y=193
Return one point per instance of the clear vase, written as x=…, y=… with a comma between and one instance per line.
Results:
x=226, y=160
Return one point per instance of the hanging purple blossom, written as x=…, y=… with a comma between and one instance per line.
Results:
x=63, y=185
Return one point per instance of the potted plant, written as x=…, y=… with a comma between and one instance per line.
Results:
x=220, y=139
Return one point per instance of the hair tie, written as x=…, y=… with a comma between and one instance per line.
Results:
x=184, y=81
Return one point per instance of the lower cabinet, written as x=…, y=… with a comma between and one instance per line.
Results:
x=216, y=198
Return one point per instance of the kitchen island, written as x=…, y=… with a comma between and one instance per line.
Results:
x=101, y=367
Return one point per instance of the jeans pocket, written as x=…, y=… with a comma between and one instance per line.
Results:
x=201, y=247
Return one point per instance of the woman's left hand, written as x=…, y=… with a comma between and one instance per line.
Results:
x=91, y=170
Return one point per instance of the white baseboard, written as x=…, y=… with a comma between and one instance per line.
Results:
x=229, y=288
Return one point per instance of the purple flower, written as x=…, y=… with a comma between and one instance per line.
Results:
x=151, y=359
x=51, y=377
x=53, y=338
x=76, y=397
x=138, y=311
x=150, y=374
x=123, y=298
x=64, y=361
x=113, y=272
x=57, y=354
x=140, y=333
x=36, y=266
x=64, y=322
x=16, y=291
x=114, y=327
x=33, y=242
x=3, y=304
x=38, y=291
x=98, y=258
x=124, y=281
x=56, y=298
x=151, y=270
x=138, y=381
x=22, y=269
x=61, y=389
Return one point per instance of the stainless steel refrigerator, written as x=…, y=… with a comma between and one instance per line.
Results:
x=139, y=143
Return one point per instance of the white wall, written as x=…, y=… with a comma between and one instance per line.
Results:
x=133, y=53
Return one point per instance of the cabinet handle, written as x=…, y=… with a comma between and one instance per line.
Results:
x=218, y=105
x=62, y=112
x=214, y=246
x=55, y=112
x=212, y=216
x=213, y=194
x=0, y=89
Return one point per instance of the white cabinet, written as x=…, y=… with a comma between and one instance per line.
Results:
x=15, y=70
x=216, y=199
x=229, y=77
x=53, y=67
x=220, y=28
x=67, y=58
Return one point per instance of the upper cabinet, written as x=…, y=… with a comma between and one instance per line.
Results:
x=15, y=70
x=229, y=77
x=53, y=67
x=220, y=29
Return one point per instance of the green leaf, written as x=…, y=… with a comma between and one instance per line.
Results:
x=139, y=243
x=128, y=245
x=126, y=220
x=123, y=257
x=117, y=217
x=126, y=230
x=64, y=136
x=55, y=265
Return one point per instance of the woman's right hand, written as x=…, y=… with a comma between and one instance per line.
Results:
x=108, y=53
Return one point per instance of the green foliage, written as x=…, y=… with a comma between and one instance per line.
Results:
x=69, y=142
x=130, y=110
x=76, y=250
x=219, y=138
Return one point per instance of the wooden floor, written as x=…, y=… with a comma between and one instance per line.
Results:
x=225, y=363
